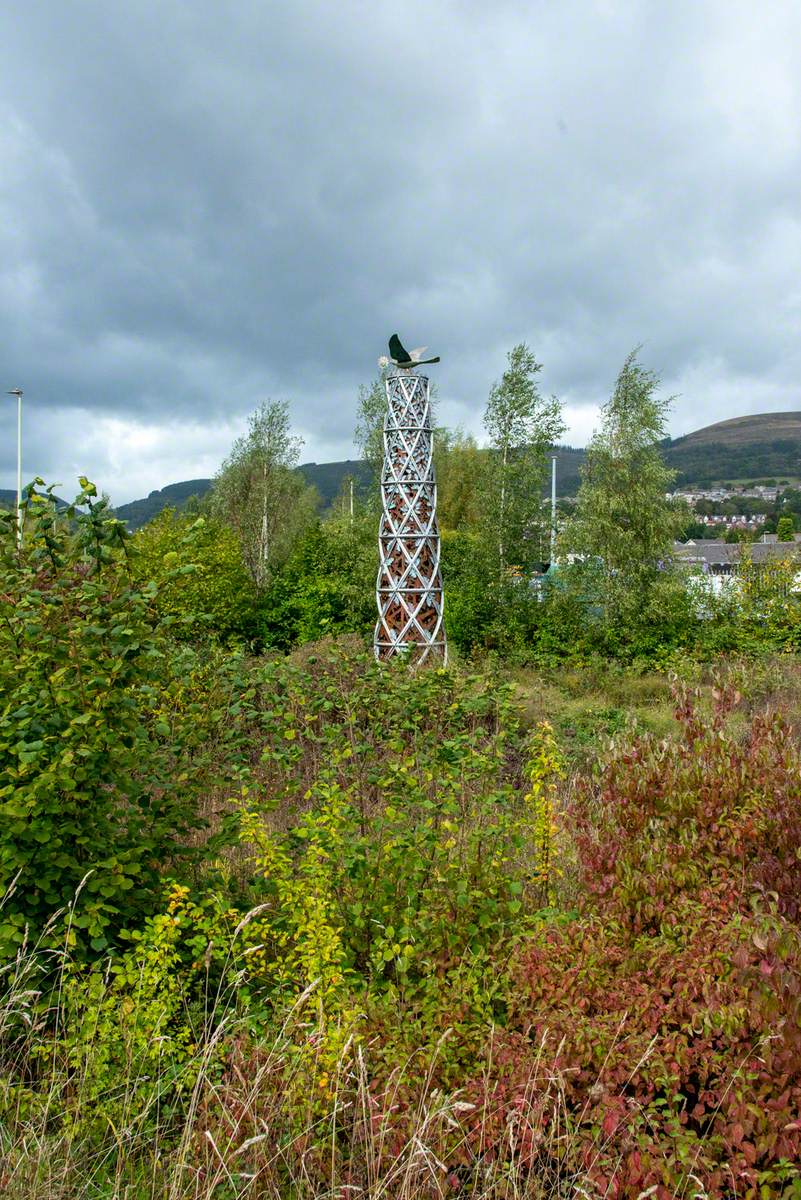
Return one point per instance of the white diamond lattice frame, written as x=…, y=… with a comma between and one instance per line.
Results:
x=409, y=586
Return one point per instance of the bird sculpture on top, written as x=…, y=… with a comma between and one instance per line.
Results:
x=402, y=359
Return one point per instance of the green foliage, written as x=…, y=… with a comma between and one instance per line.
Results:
x=129, y=1016
x=623, y=526
x=410, y=850
x=622, y=516
x=259, y=495
x=327, y=586
x=621, y=621
x=217, y=596
x=460, y=468
x=100, y=772
x=382, y=965
x=768, y=608
x=785, y=528
x=522, y=426
x=470, y=609
x=369, y=432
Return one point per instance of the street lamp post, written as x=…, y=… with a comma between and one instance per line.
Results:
x=18, y=393
x=553, y=509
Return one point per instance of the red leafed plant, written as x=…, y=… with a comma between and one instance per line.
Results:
x=655, y=1041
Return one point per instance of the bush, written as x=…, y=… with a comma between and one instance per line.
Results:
x=408, y=816
x=106, y=733
x=402, y=1009
x=668, y=1017
x=327, y=587
x=469, y=606
x=217, y=597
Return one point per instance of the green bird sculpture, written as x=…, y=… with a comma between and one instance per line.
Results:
x=402, y=359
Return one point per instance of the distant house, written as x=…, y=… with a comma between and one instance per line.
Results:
x=721, y=560
x=712, y=555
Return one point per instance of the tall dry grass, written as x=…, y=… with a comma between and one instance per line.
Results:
x=243, y=1114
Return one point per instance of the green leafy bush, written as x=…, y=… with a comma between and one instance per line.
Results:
x=408, y=817
x=379, y=965
x=106, y=733
x=327, y=587
x=216, y=597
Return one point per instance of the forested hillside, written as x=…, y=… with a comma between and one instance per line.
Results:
x=8, y=499
x=325, y=477
x=764, y=446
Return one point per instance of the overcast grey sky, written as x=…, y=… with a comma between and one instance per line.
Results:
x=204, y=203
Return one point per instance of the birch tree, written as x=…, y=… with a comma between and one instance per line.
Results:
x=623, y=517
x=624, y=523
x=522, y=425
x=369, y=433
x=260, y=495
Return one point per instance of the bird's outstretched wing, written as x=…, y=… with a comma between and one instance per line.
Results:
x=396, y=350
x=418, y=353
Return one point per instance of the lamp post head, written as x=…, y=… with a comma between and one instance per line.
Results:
x=15, y=392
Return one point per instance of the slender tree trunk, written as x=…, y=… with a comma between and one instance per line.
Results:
x=264, y=547
x=501, y=531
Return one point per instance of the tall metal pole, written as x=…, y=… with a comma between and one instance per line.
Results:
x=553, y=509
x=18, y=393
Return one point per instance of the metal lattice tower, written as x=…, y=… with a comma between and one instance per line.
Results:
x=409, y=586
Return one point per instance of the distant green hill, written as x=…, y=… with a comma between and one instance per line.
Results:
x=174, y=495
x=569, y=461
x=744, y=431
x=760, y=446
x=326, y=477
x=763, y=446
x=8, y=499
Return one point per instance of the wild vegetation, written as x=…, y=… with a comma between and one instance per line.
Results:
x=279, y=921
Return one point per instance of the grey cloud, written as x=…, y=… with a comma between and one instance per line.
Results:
x=206, y=203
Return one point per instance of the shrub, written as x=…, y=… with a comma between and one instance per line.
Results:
x=216, y=598
x=469, y=606
x=106, y=734
x=669, y=1014
x=327, y=586
x=408, y=818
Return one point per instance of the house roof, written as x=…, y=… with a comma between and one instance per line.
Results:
x=718, y=553
x=762, y=551
x=705, y=550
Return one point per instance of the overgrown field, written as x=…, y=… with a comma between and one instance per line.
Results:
x=304, y=926
x=451, y=950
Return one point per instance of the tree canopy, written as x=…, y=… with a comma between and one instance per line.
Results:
x=259, y=495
